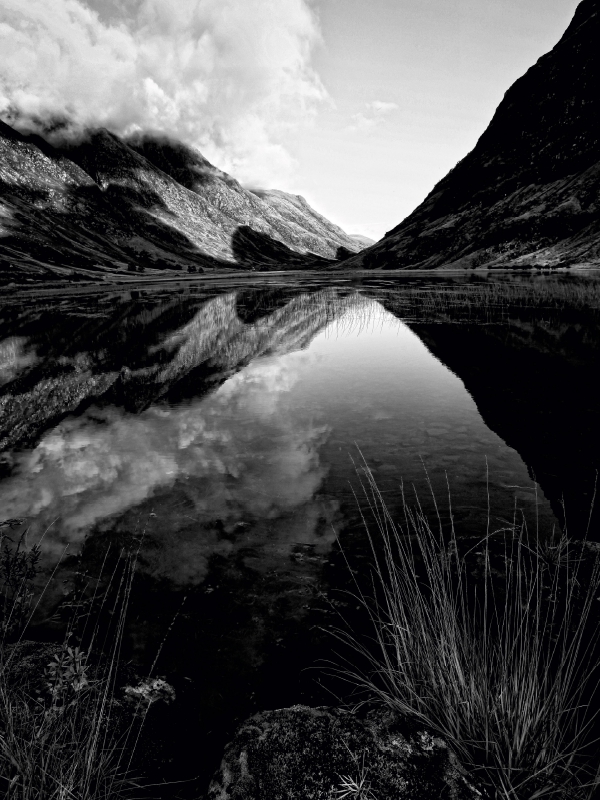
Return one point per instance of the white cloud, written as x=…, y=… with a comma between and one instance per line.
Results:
x=380, y=107
x=375, y=113
x=227, y=76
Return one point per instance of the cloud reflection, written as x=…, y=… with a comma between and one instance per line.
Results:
x=231, y=461
x=14, y=357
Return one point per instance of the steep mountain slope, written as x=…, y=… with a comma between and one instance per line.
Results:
x=529, y=192
x=286, y=217
x=108, y=204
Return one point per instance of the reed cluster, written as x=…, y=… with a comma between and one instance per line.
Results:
x=492, y=301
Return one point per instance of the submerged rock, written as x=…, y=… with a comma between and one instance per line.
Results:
x=317, y=753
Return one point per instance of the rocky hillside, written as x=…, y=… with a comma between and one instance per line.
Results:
x=529, y=193
x=110, y=205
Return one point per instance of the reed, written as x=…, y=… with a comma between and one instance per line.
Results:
x=501, y=661
x=491, y=301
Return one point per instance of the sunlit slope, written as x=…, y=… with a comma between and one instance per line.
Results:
x=106, y=204
x=529, y=192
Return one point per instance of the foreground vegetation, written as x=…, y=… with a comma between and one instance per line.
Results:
x=63, y=732
x=492, y=643
x=495, y=648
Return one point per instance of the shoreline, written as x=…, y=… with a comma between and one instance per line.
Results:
x=108, y=283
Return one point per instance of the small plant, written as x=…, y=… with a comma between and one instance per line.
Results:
x=150, y=691
x=73, y=739
x=67, y=675
x=355, y=788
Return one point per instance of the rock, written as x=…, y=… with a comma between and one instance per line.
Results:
x=308, y=753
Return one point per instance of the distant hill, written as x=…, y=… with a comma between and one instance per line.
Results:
x=528, y=194
x=365, y=241
x=108, y=205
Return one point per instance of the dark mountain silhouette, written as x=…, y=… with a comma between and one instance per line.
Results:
x=528, y=355
x=529, y=192
x=108, y=205
x=534, y=385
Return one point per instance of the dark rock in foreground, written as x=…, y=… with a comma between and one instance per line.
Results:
x=308, y=753
x=529, y=192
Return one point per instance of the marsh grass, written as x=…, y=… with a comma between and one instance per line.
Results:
x=63, y=733
x=494, y=648
x=491, y=301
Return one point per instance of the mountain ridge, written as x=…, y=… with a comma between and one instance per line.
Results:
x=528, y=194
x=107, y=204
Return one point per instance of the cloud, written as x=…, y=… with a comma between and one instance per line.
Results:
x=227, y=76
x=375, y=113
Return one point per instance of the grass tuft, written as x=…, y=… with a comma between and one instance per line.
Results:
x=495, y=648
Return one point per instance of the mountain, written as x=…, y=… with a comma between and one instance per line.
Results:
x=528, y=194
x=365, y=241
x=106, y=204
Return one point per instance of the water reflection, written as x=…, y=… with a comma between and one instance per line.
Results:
x=215, y=429
x=534, y=383
x=14, y=357
x=381, y=389
x=242, y=408
x=231, y=461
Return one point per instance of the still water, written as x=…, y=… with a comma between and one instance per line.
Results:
x=222, y=432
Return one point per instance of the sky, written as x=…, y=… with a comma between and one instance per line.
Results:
x=359, y=105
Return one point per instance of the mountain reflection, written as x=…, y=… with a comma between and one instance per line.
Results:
x=14, y=357
x=177, y=405
x=534, y=383
x=132, y=353
x=216, y=343
x=195, y=444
